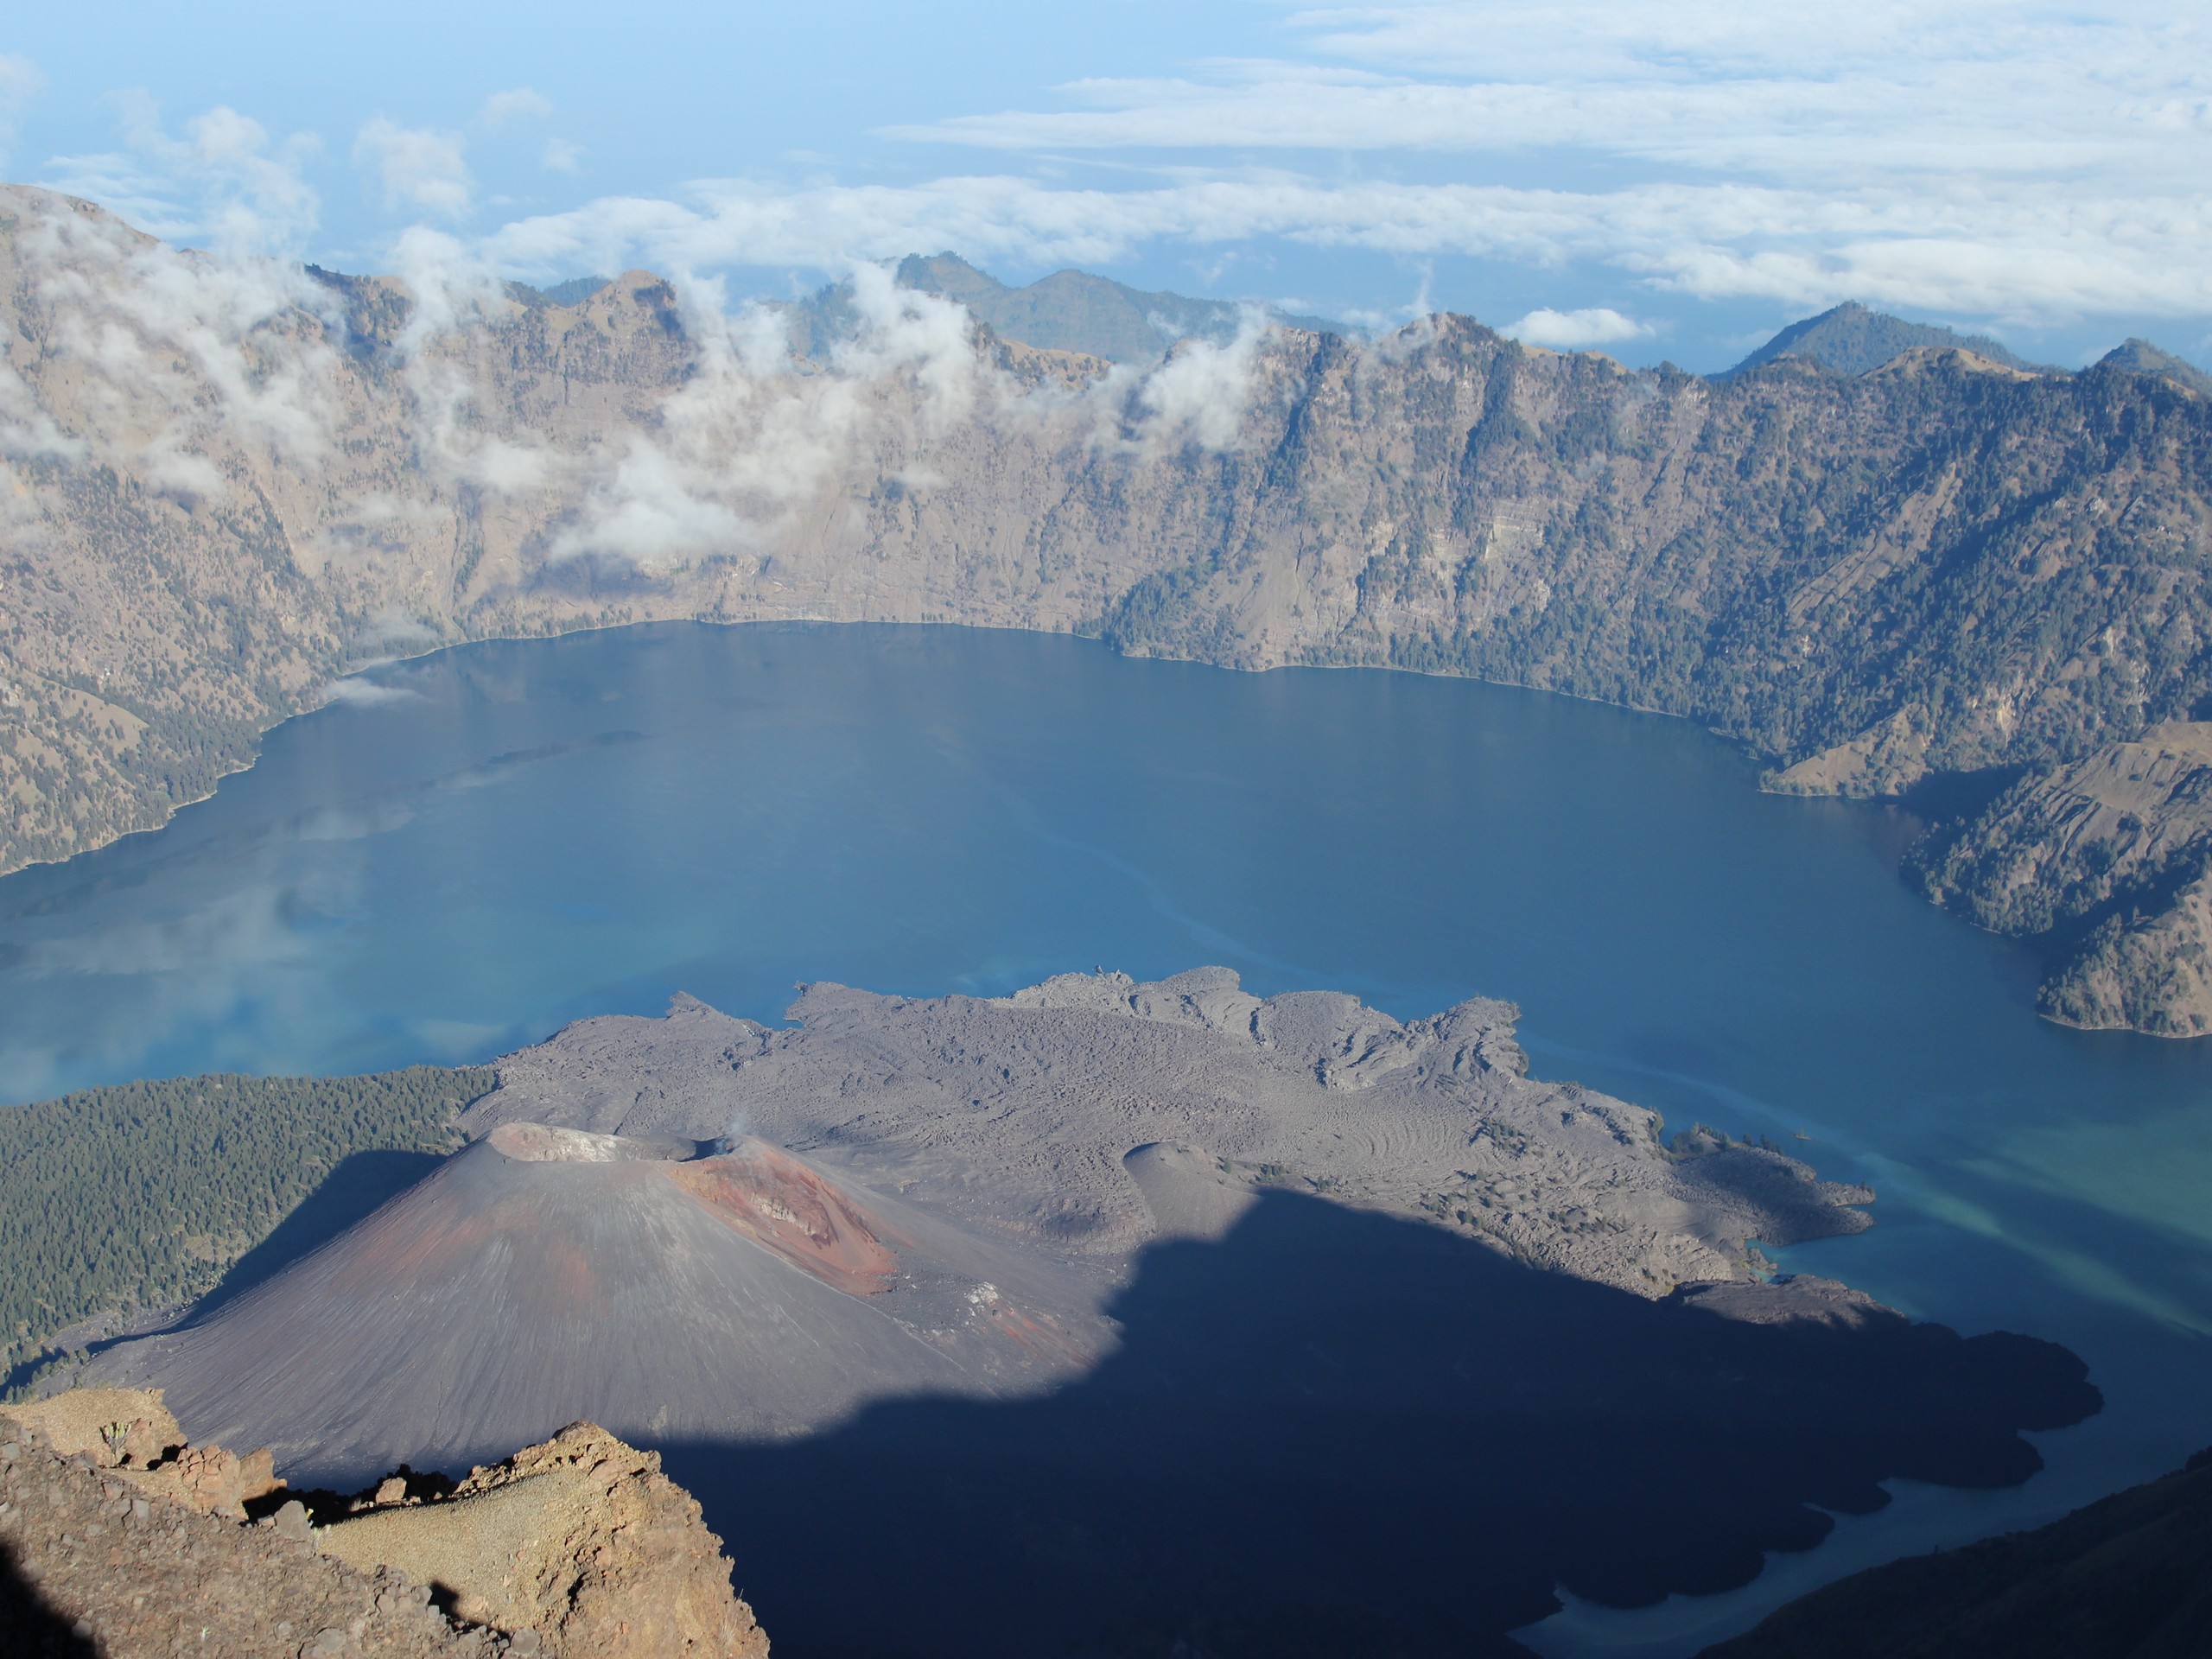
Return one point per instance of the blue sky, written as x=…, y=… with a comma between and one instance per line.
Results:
x=1670, y=180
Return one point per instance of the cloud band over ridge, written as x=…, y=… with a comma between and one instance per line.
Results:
x=1989, y=162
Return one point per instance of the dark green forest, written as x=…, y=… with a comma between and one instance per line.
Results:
x=146, y=1193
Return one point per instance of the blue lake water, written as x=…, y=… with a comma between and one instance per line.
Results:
x=473, y=848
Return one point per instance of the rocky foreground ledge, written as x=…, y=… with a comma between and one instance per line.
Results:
x=117, y=1538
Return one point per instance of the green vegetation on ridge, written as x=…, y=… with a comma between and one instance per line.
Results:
x=2129, y=1577
x=1851, y=340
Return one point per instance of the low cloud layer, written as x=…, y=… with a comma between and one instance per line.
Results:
x=1575, y=331
x=2021, y=252
x=1988, y=162
x=213, y=378
x=1996, y=159
x=415, y=168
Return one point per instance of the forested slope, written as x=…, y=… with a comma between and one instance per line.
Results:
x=147, y=1193
x=2129, y=1577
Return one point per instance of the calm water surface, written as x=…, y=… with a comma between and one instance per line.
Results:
x=472, y=848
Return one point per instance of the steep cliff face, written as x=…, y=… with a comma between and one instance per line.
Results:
x=1995, y=566
x=2113, y=853
x=2149, y=972
x=225, y=485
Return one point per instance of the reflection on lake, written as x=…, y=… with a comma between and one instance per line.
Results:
x=510, y=835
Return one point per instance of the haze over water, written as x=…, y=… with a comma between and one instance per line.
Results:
x=472, y=848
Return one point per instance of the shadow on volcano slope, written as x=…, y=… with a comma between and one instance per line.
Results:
x=1334, y=1432
x=355, y=1187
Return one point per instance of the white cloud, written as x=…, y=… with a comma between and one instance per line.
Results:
x=1200, y=393
x=226, y=181
x=391, y=632
x=1999, y=158
x=176, y=472
x=368, y=694
x=507, y=469
x=1788, y=92
x=448, y=277
x=654, y=512
x=2022, y=250
x=906, y=332
x=415, y=168
x=1575, y=331
x=259, y=203
x=27, y=432
x=1993, y=161
x=127, y=186
x=39, y=439
x=516, y=104
x=740, y=442
x=177, y=364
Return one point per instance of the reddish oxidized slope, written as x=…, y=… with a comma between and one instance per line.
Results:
x=786, y=1207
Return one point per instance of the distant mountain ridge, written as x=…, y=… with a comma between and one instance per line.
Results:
x=1071, y=311
x=1075, y=311
x=1078, y=312
x=1850, y=339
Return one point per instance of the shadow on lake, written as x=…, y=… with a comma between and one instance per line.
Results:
x=1335, y=1432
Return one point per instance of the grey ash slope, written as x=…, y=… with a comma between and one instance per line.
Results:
x=540, y=1277
x=1015, y=1115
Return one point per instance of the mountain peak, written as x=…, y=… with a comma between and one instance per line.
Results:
x=948, y=274
x=1851, y=339
x=2139, y=356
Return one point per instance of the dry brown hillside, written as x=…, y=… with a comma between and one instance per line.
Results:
x=225, y=484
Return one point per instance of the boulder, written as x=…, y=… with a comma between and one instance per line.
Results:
x=579, y=1547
